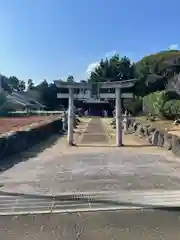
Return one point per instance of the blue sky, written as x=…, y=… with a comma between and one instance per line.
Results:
x=49, y=39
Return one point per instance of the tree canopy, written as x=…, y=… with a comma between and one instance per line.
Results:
x=113, y=69
x=155, y=72
x=70, y=79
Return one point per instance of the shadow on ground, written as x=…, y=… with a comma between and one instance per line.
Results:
x=33, y=151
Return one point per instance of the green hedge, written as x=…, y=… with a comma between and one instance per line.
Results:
x=171, y=109
x=154, y=102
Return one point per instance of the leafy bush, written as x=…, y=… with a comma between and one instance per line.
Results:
x=154, y=102
x=135, y=106
x=171, y=109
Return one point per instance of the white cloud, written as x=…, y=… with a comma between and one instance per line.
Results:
x=173, y=46
x=110, y=54
x=91, y=67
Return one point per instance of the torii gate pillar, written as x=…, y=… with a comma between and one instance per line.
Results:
x=70, y=117
x=70, y=87
x=118, y=118
x=118, y=85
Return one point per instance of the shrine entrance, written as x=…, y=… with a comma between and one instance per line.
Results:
x=97, y=108
x=93, y=109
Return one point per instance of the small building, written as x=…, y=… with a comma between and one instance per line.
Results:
x=94, y=105
x=20, y=101
x=91, y=97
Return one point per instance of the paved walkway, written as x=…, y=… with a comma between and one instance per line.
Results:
x=95, y=133
x=59, y=169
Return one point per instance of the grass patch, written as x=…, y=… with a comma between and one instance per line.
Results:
x=160, y=124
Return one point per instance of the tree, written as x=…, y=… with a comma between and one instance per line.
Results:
x=43, y=89
x=83, y=81
x=43, y=84
x=48, y=95
x=22, y=86
x=13, y=82
x=113, y=69
x=156, y=70
x=30, y=84
x=70, y=79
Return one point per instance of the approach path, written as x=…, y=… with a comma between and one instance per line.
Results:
x=95, y=133
x=59, y=169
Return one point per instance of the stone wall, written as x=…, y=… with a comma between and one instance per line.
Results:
x=15, y=142
x=156, y=137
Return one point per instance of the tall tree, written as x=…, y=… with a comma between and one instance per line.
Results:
x=13, y=82
x=30, y=84
x=43, y=88
x=70, y=79
x=113, y=69
x=22, y=86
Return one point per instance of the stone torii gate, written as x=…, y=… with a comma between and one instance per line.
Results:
x=118, y=85
x=71, y=87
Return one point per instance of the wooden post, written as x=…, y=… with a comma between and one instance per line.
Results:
x=70, y=117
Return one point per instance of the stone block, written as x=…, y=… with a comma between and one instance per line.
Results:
x=155, y=137
x=167, y=141
x=135, y=125
x=176, y=145
x=140, y=130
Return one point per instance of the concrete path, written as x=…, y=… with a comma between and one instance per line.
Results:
x=60, y=169
x=95, y=133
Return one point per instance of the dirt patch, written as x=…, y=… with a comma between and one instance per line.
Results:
x=14, y=142
x=19, y=123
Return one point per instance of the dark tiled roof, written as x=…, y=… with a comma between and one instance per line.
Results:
x=21, y=98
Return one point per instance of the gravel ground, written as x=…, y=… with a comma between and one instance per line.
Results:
x=126, y=225
x=136, y=172
x=61, y=169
